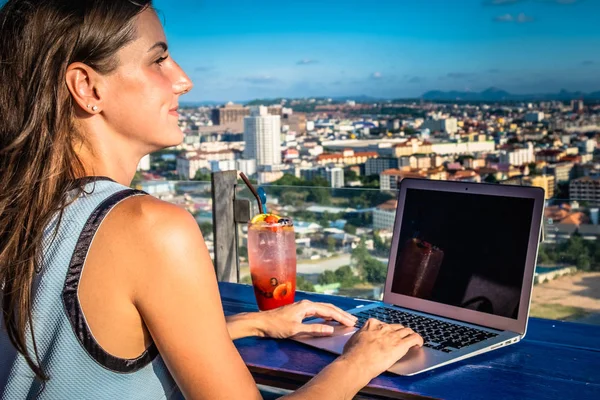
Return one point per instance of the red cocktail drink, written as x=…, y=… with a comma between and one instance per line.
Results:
x=272, y=259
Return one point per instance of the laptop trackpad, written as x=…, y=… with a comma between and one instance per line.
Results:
x=338, y=329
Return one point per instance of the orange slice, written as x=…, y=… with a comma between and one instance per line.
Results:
x=282, y=291
x=268, y=218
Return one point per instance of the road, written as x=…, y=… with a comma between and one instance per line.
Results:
x=318, y=266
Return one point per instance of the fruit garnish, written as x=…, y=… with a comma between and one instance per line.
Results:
x=282, y=291
x=274, y=282
x=258, y=218
x=271, y=219
x=268, y=218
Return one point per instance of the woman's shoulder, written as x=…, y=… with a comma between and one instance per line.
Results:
x=145, y=238
x=150, y=218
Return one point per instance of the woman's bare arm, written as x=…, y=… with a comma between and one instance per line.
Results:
x=174, y=288
x=177, y=295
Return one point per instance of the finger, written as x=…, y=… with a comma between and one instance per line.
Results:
x=404, y=332
x=396, y=327
x=315, y=329
x=372, y=323
x=341, y=312
x=413, y=340
x=323, y=311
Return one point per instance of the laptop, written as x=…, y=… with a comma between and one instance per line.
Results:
x=460, y=271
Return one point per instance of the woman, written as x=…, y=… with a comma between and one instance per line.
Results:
x=107, y=292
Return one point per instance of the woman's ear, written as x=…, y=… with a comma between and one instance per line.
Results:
x=83, y=83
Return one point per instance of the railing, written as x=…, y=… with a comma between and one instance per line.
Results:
x=343, y=248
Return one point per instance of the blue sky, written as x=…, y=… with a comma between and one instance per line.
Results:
x=240, y=50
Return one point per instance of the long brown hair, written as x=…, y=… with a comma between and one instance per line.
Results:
x=38, y=162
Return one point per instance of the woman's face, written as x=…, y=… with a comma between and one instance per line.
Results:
x=142, y=94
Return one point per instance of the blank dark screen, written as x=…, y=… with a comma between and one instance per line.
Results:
x=465, y=250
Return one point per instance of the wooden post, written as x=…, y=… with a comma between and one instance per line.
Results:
x=227, y=213
x=224, y=227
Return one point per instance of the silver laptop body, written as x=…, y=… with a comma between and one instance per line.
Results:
x=464, y=255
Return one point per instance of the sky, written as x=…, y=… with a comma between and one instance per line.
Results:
x=241, y=50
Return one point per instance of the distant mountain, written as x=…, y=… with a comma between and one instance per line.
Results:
x=495, y=94
x=201, y=103
x=360, y=99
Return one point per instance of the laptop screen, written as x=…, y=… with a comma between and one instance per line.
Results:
x=464, y=250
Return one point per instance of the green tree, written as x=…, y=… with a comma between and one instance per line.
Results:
x=370, y=181
x=325, y=219
x=543, y=257
x=381, y=246
x=303, y=284
x=576, y=251
x=201, y=176
x=321, y=196
x=293, y=197
x=305, y=216
x=350, y=175
x=327, y=277
x=289, y=180
x=359, y=256
x=562, y=190
x=318, y=181
x=490, y=178
x=409, y=131
x=532, y=168
x=137, y=179
x=346, y=277
x=596, y=256
x=375, y=271
x=243, y=251
x=206, y=228
x=351, y=229
x=330, y=244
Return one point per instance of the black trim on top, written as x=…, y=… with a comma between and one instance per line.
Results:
x=71, y=299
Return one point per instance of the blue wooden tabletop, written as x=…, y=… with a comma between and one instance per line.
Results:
x=556, y=360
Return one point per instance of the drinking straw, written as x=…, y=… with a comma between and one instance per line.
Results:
x=263, y=198
x=247, y=182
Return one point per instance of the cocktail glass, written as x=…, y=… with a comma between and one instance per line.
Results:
x=272, y=259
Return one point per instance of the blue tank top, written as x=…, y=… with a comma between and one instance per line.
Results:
x=78, y=367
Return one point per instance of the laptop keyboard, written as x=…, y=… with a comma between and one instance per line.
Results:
x=437, y=334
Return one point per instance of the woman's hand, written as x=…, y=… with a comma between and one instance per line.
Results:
x=377, y=346
x=286, y=321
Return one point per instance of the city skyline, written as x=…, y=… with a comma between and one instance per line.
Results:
x=235, y=51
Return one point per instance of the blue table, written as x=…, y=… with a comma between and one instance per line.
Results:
x=556, y=360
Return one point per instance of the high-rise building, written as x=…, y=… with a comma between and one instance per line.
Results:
x=446, y=125
x=562, y=172
x=518, y=155
x=585, y=189
x=335, y=177
x=230, y=113
x=389, y=180
x=536, y=116
x=384, y=215
x=546, y=182
x=262, y=134
x=375, y=166
x=577, y=105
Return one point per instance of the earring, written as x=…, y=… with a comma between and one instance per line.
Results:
x=94, y=108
